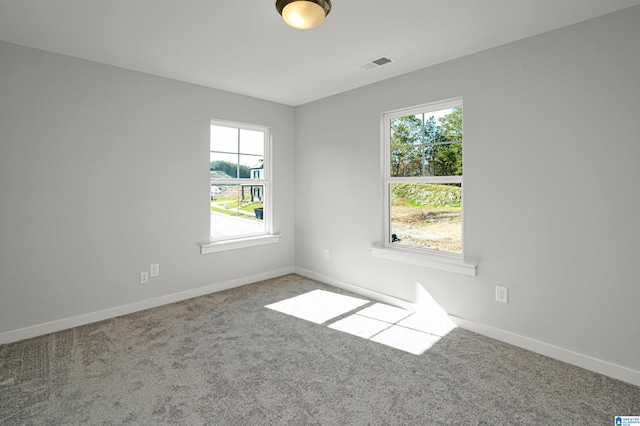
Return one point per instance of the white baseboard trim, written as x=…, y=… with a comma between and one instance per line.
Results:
x=63, y=324
x=570, y=357
x=365, y=292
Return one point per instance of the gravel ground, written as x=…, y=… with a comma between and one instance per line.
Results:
x=433, y=229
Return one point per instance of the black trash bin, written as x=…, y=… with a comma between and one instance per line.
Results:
x=259, y=212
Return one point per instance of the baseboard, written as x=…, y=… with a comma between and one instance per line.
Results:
x=63, y=324
x=365, y=292
x=570, y=357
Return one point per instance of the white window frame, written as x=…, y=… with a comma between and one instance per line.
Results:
x=451, y=262
x=255, y=239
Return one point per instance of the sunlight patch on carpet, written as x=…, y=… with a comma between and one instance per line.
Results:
x=360, y=326
x=318, y=306
x=413, y=332
x=405, y=339
x=396, y=327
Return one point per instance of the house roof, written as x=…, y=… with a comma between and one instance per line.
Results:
x=219, y=174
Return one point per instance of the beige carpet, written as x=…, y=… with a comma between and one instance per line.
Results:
x=227, y=359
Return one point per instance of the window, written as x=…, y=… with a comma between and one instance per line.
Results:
x=240, y=186
x=423, y=178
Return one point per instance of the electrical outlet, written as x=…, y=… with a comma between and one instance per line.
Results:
x=326, y=254
x=154, y=270
x=144, y=277
x=502, y=294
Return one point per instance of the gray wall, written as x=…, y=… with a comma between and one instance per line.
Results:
x=104, y=171
x=552, y=130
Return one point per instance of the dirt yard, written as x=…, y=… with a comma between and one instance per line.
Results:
x=433, y=229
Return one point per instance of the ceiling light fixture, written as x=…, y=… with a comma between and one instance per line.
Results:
x=303, y=14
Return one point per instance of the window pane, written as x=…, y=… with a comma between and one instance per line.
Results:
x=428, y=144
x=406, y=146
x=225, y=166
x=232, y=160
x=236, y=209
x=251, y=142
x=250, y=164
x=427, y=216
x=443, y=159
x=224, y=139
x=407, y=161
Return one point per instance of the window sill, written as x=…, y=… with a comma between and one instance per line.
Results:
x=439, y=261
x=238, y=243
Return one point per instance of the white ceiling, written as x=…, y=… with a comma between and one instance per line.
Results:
x=245, y=47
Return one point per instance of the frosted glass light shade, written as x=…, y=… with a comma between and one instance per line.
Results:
x=304, y=14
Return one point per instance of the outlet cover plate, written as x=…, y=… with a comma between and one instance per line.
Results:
x=154, y=270
x=502, y=294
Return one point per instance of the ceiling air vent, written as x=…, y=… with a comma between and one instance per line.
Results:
x=376, y=63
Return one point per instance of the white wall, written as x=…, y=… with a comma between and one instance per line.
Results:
x=104, y=171
x=552, y=208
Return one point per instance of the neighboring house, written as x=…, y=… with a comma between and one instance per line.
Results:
x=256, y=191
x=257, y=171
